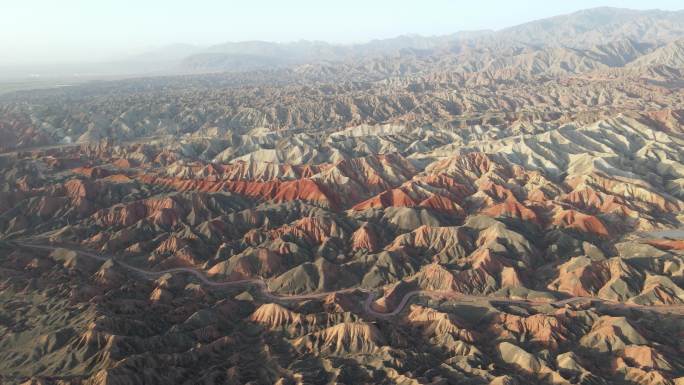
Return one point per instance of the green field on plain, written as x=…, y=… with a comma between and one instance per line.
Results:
x=25, y=85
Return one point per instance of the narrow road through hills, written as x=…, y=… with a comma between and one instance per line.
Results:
x=370, y=299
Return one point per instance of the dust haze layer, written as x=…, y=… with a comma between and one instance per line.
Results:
x=493, y=208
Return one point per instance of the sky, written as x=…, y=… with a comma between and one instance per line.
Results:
x=69, y=31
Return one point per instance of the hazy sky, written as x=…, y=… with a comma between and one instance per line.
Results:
x=52, y=31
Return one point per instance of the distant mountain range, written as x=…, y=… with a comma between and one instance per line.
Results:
x=614, y=37
x=580, y=30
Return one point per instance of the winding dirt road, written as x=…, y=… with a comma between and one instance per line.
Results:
x=370, y=299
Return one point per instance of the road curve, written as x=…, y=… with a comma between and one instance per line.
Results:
x=149, y=274
x=368, y=303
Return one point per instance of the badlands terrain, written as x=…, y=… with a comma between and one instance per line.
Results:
x=484, y=208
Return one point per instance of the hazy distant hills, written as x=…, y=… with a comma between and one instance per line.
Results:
x=671, y=55
x=615, y=36
x=587, y=40
x=259, y=54
x=590, y=27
